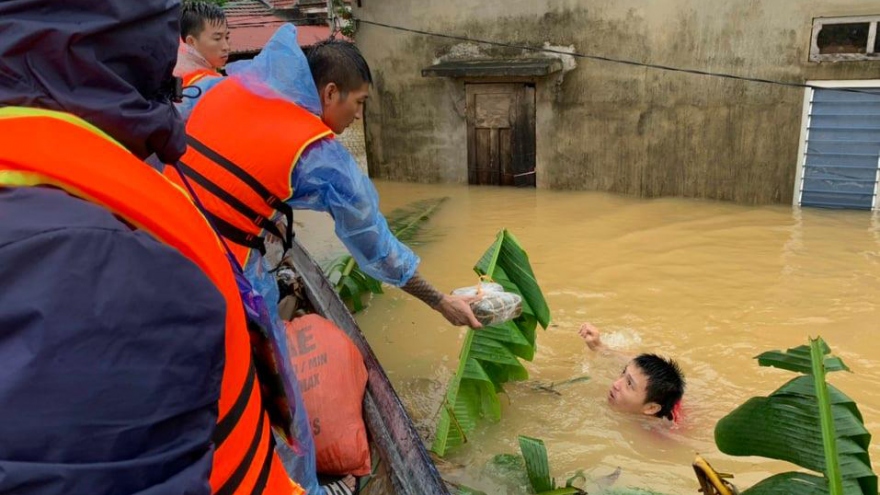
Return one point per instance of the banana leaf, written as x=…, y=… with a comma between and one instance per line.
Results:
x=407, y=225
x=806, y=422
x=507, y=263
x=537, y=465
x=463, y=490
x=798, y=359
x=530, y=471
x=490, y=357
x=798, y=483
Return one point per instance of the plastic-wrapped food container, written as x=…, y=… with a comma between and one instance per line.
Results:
x=495, y=306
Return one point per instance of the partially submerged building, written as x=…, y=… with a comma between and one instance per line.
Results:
x=453, y=110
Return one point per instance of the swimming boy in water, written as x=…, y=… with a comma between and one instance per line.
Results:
x=649, y=384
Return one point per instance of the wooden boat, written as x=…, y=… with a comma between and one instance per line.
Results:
x=405, y=467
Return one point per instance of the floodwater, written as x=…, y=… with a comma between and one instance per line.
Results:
x=711, y=284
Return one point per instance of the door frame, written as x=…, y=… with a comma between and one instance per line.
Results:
x=525, y=86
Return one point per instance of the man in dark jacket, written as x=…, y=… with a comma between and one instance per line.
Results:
x=111, y=342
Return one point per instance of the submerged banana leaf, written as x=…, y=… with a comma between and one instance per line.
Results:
x=406, y=224
x=807, y=422
x=533, y=468
x=350, y=282
x=463, y=490
x=538, y=469
x=537, y=465
x=490, y=356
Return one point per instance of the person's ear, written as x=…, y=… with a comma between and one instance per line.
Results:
x=330, y=93
x=190, y=40
x=651, y=409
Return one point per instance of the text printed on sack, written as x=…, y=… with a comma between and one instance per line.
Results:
x=307, y=369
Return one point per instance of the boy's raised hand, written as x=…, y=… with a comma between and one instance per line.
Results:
x=590, y=334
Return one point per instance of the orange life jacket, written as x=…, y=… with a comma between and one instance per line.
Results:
x=242, y=151
x=90, y=165
x=196, y=75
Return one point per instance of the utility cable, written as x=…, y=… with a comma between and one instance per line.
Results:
x=612, y=59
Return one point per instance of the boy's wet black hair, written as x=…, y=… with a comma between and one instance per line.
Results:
x=340, y=62
x=665, y=382
x=195, y=16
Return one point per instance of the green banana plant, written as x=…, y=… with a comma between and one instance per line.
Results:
x=407, y=224
x=807, y=422
x=533, y=468
x=538, y=468
x=490, y=356
x=350, y=282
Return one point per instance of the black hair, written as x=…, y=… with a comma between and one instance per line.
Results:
x=340, y=62
x=665, y=382
x=195, y=15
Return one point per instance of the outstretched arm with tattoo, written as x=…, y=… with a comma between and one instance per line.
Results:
x=327, y=178
x=456, y=309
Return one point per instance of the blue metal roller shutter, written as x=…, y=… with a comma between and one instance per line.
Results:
x=842, y=150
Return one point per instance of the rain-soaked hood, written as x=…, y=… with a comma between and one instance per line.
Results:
x=105, y=61
x=280, y=71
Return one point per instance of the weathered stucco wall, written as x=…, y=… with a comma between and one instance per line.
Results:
x=607, y=126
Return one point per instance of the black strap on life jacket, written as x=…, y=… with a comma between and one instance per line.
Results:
x=226, y=229
x=250, y=458
x=227, y=423
x=237, y=235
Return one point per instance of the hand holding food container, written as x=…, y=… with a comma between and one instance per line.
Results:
x=494, y=305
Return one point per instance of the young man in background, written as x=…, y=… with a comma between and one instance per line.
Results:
x=204, y=41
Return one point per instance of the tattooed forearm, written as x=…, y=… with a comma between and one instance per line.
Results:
x=422, y=290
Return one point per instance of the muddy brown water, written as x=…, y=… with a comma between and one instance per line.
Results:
x=711, y=284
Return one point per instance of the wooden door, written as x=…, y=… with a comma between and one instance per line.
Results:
x=501, y=134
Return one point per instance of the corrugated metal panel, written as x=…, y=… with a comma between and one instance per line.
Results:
x=840, y=163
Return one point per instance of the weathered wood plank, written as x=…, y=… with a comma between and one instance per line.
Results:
x=471, y=139
x=482, y=165
x=493, y=110
x=524, y=139
x=505, y=155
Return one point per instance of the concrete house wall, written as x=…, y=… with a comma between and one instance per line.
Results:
x=606, y=126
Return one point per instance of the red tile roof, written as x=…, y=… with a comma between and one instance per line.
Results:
x=284, y=4
x=252, y=38
x=244, y=8
x=252, y=23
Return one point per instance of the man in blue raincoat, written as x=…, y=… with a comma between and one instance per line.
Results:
x=261, y=144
